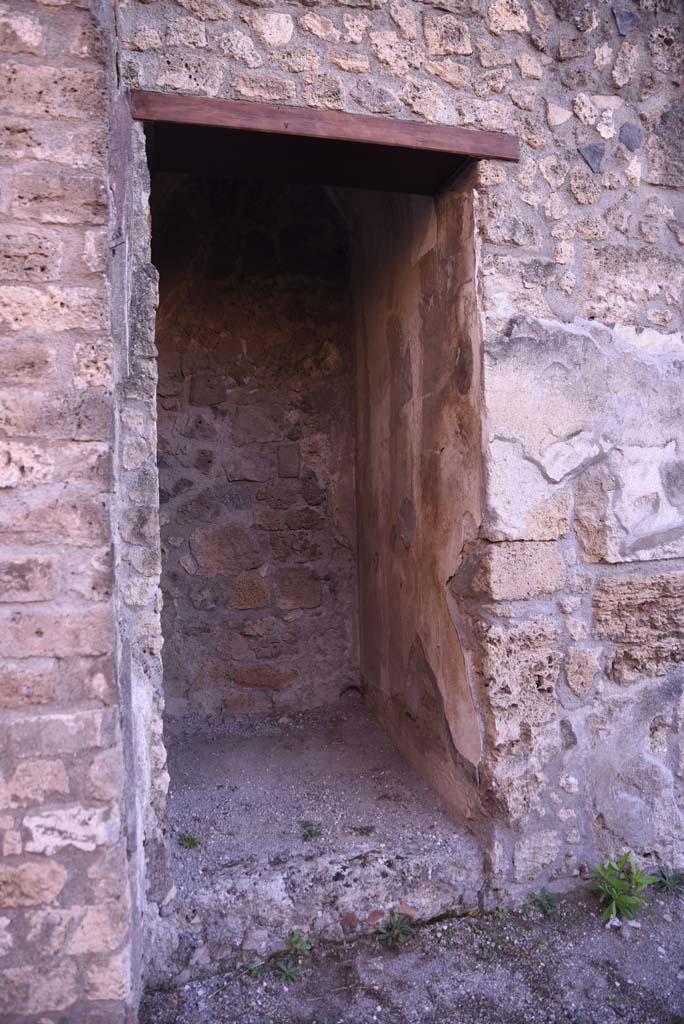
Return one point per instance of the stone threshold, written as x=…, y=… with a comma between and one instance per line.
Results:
x=381, y=841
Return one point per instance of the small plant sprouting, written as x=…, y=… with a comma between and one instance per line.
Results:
x=299, y=946
x=310, y=830
x=363, y=830
x=620, y=884
x=670, y=880
x=397, y=930
x=188, y=841
x=257, y=970
x=547, y=902
x=286, y=970
x=501, y=913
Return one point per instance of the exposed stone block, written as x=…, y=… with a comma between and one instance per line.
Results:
x=35, y=518
x=506, y=16
x=104, y=780
x=189, y=72
x=54, y=309
x=320, y=26
x=298, y=588
x=225, y=549
x=209, y=10
x=52, y=92
x=23, y=683
x=78, y=930
x=521, y=665
x=27, y=362
x=110, y=980
x=83, y=146
x=288, y=460
x=21, y=33
x=6, y=940
x=663, y=147
x=641, y=615
x=521, y=570
x=581, y=667
x=33, y=884
x=27, y=255
x=185, y=32
x=25, y=990
x=446, y=35
x=43, y=633
x=33, y=781
x=250, y=591
x=271, y=27
x=66, y=732
x=59, y=198
x=263, y=86
x=31, y=579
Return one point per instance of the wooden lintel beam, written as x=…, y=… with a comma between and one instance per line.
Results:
x=329, y=125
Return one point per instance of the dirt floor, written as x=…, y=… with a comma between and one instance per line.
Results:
x=499, y=968
x=309, y=821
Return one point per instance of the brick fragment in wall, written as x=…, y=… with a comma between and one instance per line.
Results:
x=264, y=677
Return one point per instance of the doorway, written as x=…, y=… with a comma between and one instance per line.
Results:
x=319, y=465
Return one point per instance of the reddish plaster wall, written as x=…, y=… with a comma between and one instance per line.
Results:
x=418, y=475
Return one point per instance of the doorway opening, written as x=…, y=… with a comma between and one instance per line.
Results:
x=319, y=468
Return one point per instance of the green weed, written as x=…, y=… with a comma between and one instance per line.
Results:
x=188, y=841
x=286, y=970
x=620, y=884
x=397, y=930
x=298, y=944
x=670, y=880
x=547, y=902
x=310, y=830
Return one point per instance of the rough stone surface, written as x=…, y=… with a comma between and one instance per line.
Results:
x=256, y=449
x=574, y=307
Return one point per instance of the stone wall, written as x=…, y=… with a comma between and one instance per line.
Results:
x=580, y=281
x=256, y=448
x=65, y=894
x=569, y=595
